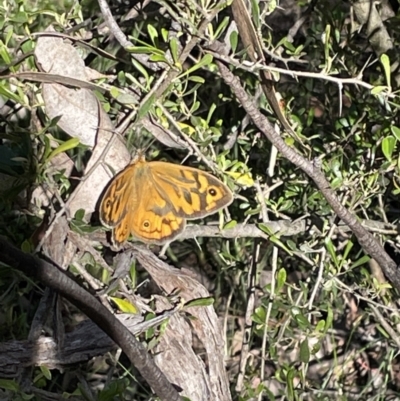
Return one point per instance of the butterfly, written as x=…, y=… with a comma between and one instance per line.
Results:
x=152, y=200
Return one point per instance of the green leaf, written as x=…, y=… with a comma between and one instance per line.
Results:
x=152, y=33
x=275, y=239
x=200, y=302
x=9, y=35
x=144, y=49
x=348, y=248
x=67, y=145
x=195, y=106
x=157, y=58
x=360, y=262
x=320, y=327
x=255, y=13
x=385, y=61
x=301, y=320
x=388, y=146
x=298, y=50
x=210, y=113
x=206, y=60
x=114, y=92
x=289, y=46
x=259, y=315
x=233, y=39
x=331, y=249
x=9, y=385
x=9, y=94
x=46, y=372
x=395, y=131
x=125, y=306
x=27, y=246
x=221, y=27
x=146, y=107
x=304, y=351
x=173, y=45
x=290, y=375
x=126, y=98
x=164, y=34
x=79, y=215
x=281, y=279
x=195, y=78
x=141, y=69
x=133, y=274
x=379, y=89
x=230, y=224
x=21, y=17
x=266, y=229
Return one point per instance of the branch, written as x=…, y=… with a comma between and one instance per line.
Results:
x=280, y=227
x=256, y=67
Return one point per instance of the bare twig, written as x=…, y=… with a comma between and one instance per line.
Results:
x=255, y=67
x=274, y=264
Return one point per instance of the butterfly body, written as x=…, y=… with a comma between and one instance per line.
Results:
x=152, y=200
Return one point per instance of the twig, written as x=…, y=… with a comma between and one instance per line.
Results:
x=274, y=264
x=393, y=334
x=283, y=227
x=318, y=281
x=255, y=67
x=248, y=322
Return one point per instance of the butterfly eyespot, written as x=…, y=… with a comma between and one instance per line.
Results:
x=146, y=224
x=212, y=191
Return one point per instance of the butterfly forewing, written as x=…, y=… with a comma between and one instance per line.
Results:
x=118, y=198
x=191, y=192
x=122, y=230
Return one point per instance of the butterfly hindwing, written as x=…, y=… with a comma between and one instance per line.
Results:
x=154, y=220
